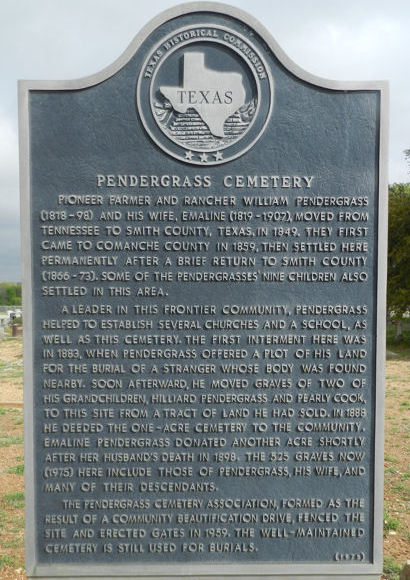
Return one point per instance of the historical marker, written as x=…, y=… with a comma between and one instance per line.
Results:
x=204, y=232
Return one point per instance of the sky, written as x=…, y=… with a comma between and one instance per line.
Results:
x=65, y=39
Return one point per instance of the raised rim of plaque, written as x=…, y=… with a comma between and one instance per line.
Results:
x=208, y=570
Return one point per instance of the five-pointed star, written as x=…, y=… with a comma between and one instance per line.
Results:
x=218, y=156
x=188, y=155
x=204, y=157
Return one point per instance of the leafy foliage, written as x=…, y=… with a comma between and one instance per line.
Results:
x=398, y=276
x=10, y=294
x=407, y=155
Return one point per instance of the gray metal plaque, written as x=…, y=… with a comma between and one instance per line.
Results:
x=204, y=232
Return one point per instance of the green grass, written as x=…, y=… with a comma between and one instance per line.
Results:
x=399, y=487
x=7, y=365
x=16, y=524
x=3, y=516
x=18, y=417
x=11, y=374
x=10, y=440
x=391, y=569
x=7, y=560
x=390, y=471
x=13, y=543
x=389, y=523
x=403, y=489
x=17, y=469
x=14, y=499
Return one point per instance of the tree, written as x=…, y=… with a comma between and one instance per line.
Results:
x=398, y=257
x=10, y=294
x=407, y=155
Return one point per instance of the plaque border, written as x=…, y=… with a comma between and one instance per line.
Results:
x=208, y=570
